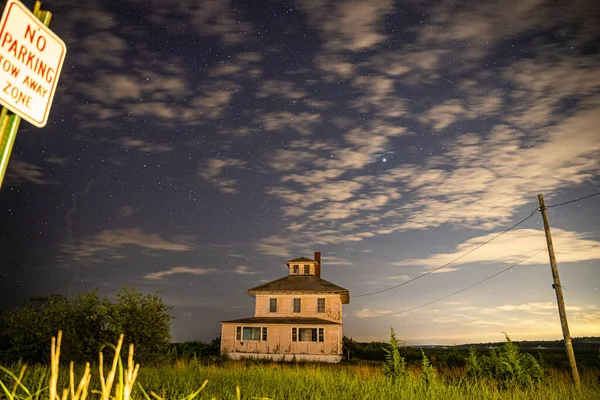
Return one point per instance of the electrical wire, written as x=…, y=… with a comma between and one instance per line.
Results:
x=573, y=201
x=457, y=292
x=447, y=264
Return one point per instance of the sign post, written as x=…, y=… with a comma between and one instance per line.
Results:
x=31, y=59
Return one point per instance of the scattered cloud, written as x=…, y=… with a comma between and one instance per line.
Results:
x=178, y=271
x=333, y=260
x=367, y=312
x=244, y=270
x=349, y=25
x=20, y=172
x=125, y=211
x=515, y=246
x=215, y=167
x=111, y=242
x=128, y=142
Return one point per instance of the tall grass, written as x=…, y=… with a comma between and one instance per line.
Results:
x=253, y=380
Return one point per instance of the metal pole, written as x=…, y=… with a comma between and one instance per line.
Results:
x=562, y=312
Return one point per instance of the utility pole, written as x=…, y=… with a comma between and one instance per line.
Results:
x=562, y=312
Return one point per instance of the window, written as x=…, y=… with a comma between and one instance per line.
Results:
x=251, y=333
x=321, y=305
x=306, y=269
x=297, y=305
x=316, y=335
x=296, y=269
x=273, y=305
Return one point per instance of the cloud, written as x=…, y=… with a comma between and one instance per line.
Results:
x=111, y=242
x=128, y=142
x=178, y=270
x=366, y=312
x=210, y=18
x=215, y=167
x=333, y=260
x=302, y=122
x=283, y=89
x=515, y=246
x=244, y=270
x=349, y=25
x=481, y=182
x=20, y=172
x=125, y=211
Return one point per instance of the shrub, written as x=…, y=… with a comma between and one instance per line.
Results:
x=507, y=365
x=428, y=372
x=394, y=365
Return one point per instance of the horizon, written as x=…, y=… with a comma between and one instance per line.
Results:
x=194, y=146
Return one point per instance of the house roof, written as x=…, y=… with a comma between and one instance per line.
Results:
x=299, y=260
x=283, y=321
x=301, y=284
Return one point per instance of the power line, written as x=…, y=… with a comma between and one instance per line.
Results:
x=573, y=201
x=451, y=262
x=459, y=291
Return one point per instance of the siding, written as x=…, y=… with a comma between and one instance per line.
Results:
x=279, y=341
x=333, y=306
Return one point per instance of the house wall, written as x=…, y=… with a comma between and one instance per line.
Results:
x=279, y=341
x=285, y=306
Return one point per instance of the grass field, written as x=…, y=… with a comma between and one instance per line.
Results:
x=183, y=378
x=313, y=381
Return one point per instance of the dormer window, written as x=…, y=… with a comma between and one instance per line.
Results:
x=306, y=269
x=296, y=269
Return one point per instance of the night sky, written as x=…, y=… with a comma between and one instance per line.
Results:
x=194, y=146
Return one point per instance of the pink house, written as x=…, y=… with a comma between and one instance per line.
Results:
x=298, y=316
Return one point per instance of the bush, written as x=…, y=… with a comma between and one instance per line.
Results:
x=507, y=365
x=394, y=366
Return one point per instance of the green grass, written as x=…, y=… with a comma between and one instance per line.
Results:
x=315, y=381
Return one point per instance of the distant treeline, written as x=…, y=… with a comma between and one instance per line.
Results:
x=551, y=354
x=578, y=343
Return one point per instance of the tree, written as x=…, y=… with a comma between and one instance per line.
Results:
x=30, y=327
x=88, y=322
x=145, y=322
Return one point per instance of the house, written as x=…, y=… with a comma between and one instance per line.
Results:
x=298, y=316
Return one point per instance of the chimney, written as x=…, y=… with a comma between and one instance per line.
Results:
x=318, y=267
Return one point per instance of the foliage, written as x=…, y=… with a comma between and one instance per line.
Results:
x=144, y=320
x=88, y=322
x=394, y=366
x=475, y=370
x=507, y=365
x=196, y=348
x=428, y=371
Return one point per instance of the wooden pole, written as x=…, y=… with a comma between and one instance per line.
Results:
x=562, y=312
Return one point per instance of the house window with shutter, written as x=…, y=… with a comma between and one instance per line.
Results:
x=297, y=305
x=251, y=333
x=321, y=305
x=315, y=335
